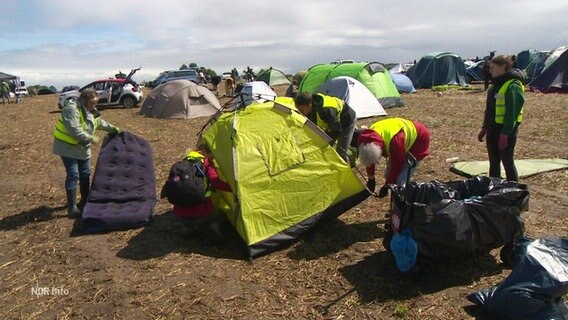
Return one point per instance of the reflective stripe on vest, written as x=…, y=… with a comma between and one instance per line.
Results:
x=388, y=128
x=61, y=132
x=196, y=156
x=500, y=106
x=329, y=102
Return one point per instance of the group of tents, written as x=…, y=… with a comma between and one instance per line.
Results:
x=261, y=160
x=545, y=71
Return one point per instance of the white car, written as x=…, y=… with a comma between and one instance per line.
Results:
x=22, y=91
x=225, y=75
x=111, y=92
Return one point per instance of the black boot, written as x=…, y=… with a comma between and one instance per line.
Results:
x=72, y=209
x=84, y=186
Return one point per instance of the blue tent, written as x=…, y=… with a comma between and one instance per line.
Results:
x=402, y=82
x=438, y=68
x=475, y=72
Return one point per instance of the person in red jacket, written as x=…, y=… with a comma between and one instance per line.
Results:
x=205, y=216
x=393, y=139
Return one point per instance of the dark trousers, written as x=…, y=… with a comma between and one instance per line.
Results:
x=506, y=156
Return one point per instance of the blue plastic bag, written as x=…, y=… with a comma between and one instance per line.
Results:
x=404, y=249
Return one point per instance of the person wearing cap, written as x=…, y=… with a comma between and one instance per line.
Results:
x=332, y=115
x=392, y=139
x=73, y=137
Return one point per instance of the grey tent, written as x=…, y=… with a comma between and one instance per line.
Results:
x=181, y=99
x=5, y=76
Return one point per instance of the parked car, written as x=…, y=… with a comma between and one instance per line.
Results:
x=225, y=75
x=123, y=92
x=22, y=91
x=187, y=74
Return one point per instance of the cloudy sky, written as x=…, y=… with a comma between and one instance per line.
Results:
x=62, y=42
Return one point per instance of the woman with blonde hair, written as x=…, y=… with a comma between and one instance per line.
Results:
x=72, y=139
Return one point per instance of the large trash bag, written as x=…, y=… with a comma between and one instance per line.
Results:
x=535, y=287
x=459, y=218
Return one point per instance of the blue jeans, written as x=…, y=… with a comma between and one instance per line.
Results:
x=75, y=168
x=402, y=176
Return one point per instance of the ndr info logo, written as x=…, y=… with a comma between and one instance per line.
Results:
x=49, y=291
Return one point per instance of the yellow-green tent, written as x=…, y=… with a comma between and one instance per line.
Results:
x=285, y=176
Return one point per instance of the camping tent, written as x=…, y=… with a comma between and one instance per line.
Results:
x=273, y=77
x=285, y=176
x=532, y=62
x=475, y=72
x=255, y=91
x=180, y=99
x=402, y=82
x=372, y=75
x=438, y=68
x=554, y=76
x=355, y=94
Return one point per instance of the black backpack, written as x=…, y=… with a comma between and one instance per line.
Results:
x=186, y=184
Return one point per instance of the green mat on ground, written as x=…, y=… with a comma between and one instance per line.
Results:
x=525, y=167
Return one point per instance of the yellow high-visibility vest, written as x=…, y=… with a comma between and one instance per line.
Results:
x=500, y=106
x=388, y=128
x=329, y=102
x=61, y=132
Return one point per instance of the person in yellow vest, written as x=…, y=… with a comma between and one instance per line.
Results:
x=503, y=115
x=393, y=139
x=332, y=115
x=72, y=139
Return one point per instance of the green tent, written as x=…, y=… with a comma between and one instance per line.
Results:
x=273, y=77
x=372, y=75
x=285, y=176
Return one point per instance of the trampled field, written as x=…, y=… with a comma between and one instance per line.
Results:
x=340, y=271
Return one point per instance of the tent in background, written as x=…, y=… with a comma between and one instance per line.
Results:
x=372, y=75
x=285, y=176
x=438, y=68
x=255, y=91
x=180, y=99
x=403, y=83
x=359, y=98
x=532, y=62
x=554, y=76
x=273, y=77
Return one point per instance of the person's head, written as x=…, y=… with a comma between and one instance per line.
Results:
x=500, y=65
x=89, y=98
x=303, y=102
x=369, y=153
x=203, y=148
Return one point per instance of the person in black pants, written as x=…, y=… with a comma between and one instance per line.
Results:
x=503, y=115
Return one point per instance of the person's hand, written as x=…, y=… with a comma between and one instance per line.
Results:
x=503, y=141
x=371, y=184
x=481, y=134
x=384, y=191
x=96, y=140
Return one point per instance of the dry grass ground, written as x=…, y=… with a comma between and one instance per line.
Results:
x=341, y=271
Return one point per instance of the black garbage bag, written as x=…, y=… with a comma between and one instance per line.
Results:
x=535, y=287
x=459, y=218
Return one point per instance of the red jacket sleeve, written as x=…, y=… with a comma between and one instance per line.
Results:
x=213, y=177
x=397, y=157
